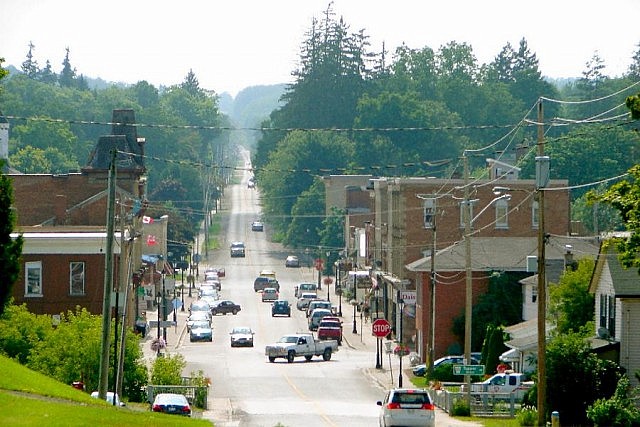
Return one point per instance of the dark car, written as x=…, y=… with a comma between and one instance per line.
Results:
x=237, y=249
x=225, y=306
x=263, y=282
x=281, y=307
x=421, y=370
x=171, y=403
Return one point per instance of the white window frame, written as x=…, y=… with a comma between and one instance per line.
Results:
x=428, y=213
x=33, y=279
x=502, y=214
x=77, y=277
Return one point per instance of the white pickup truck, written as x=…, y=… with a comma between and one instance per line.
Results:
x=504, y=383
x=295, y=345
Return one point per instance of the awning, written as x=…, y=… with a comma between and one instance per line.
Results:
x=512, y=355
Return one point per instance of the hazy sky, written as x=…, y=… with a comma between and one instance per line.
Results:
x=232, y=44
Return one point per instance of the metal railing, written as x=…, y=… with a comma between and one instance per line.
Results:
x=483, y=404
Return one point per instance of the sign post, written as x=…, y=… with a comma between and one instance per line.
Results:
x=380, y=328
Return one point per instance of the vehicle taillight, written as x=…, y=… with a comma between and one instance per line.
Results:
x=157, y=408
x=186, y=409
x=392, y=405
x=428, y=406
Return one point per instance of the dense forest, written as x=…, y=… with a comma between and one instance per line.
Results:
x=410, y=112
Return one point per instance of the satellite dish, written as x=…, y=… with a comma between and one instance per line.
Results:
x=603, y=333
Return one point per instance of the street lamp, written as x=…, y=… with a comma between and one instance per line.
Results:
x=354, y=303
x=401, y=347
x=328, y=284
x=182, y=287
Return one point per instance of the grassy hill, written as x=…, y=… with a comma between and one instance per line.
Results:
x=28, y=398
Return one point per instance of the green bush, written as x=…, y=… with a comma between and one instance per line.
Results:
x=167, y=370
x=527, y=416
x=618, y=411
x=461, y=408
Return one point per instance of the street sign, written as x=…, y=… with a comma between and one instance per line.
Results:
x=319, y=264
x=380, y=328
x=176, y=304
x=468, y=369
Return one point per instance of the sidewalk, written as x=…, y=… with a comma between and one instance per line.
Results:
x=388, y=375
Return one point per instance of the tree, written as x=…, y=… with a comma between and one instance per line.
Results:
x=68, y=74
x=571, y=305
x=576, y=377
x=633, y=72
x=21, y=331
x=47, y=75
x=10, y=248
x=624, y=196
x=30, y=65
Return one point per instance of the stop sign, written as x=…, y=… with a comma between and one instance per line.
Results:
x=380, y=328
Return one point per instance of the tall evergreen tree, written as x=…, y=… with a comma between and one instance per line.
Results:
x=46, y=75
x=10, y=249
x=68, y=74
x=634, y=68
x=30, y=65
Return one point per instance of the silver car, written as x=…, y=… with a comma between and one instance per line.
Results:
x=407, y=407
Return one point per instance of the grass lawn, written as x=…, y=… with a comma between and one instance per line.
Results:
x=32, y=399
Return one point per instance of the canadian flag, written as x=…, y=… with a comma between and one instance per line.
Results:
x=151, y=240
x=147, y=220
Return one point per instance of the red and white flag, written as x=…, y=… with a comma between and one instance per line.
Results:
x=151, y=240
x=147, y=220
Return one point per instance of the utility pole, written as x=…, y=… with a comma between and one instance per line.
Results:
x=108, y=281
x=468, y=287
x=542, y=165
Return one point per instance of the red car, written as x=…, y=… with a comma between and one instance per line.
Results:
x=330, y=328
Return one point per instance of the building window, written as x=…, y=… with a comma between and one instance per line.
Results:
x=429, y=212
x=33, y=279
x=502, y=214
x=603, y=311
x=534, y=293
x=76, y=278
x=534, y=214
x=612, y=316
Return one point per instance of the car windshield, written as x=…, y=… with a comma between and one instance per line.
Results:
x=200, y=324
x=241, y=331
x=289, y=339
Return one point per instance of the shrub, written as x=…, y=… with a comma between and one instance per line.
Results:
x=168, y=370
x=527, y=416
x=460, y=408
x=618, y=411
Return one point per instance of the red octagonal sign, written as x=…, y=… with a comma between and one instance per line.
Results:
x=380, y=328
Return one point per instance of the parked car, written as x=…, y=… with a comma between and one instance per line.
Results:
x=330, y=328
x=305, y=287
x=270, y=294
x=303, y=300
x=171, y=403
x=421, y=370
x=257, y=226
x=292, y=261
x=225, y=306
x=208, y=291
x=281, y=307
x=199, y=305
x=237, y=249
x=241, y=336
x=109, y=397
x=201, y=331
x=213, y=283
x=407, y=407
x=317, y=315
x=217, y=270
x=198, y=316
x=318, y=303
x=263, y=282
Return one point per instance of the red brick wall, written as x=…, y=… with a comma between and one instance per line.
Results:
x=55, y=297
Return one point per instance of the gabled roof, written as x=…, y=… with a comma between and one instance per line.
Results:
x=625, y=281
x=505, y=253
